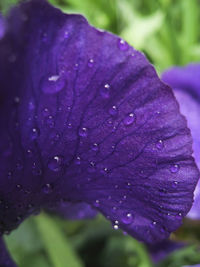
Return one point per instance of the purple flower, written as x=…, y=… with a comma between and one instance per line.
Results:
x=186, y=84
x=163, y=249
x=85, y=119
x=5, y=260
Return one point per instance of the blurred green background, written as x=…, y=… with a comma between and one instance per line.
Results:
x=167, y=31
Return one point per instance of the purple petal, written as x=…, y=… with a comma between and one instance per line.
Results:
x=161, y=250
x=73, y=211
x=186, y=84
x=88, y=120
x=2, y=26
x=5, y=260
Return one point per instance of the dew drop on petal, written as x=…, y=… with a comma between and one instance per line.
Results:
x=95, y=147
x=113, y=111
x=9, y=175
x=115, y=227
x=105, y=91
x=174, y=184
x=35, y=132
x=77, y=161
x=153, y=224
x=31, y=105
x=97, y=203
x=122, y=45
x=66, y=35
x=179, y=216
x=55, y=163
x=47, y=188
x=90, y=62
x=83, y=132
x=19, y=186
x=53, y=84
x=19, y=166
x=50, y=121
x=129, y=119
x=76, y=66
x=127, y=218
x=16, y=100
x=160, y=144
x=174, y=168
x=45, y=112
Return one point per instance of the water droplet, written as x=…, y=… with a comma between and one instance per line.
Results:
x=83, y=132
x=47, y=188
x=127, y=218
x=174, y=168
x=160, y=144
x=90, y=62
x=16, y=100
x=77, y=161
x=91, y=168
x=53, y=84
x=69, y=125
x=97, y=203
x=105, y=91
x=114, y=208
x=31, y=106
x=179, y=216
x=122, y=45
x=115, y=227
x=153, y=223
x=35, y=132
x=50, y=121
x=45, y=112
x=129, y=119
x=66, y=35
x=29, y=153
x=19, y=166
x=9, y=175
x=55, y=163
x=76, y=66
x=19, y=186
x=18, y=218
x=95, y=147
x=113, y=111
x=174, y=184
x=104, y=171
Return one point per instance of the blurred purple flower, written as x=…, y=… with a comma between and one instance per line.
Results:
x=85, y=118
x=5, y=260
x=186, y=84
x=161, y=250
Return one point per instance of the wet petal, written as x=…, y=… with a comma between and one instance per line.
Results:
x=5, y=260
x=186, y=84
x=73, y=211
x=88, y=120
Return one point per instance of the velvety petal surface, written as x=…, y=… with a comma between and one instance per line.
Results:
x=5, y=260
x=186, y=84
x=86, y=119
x=74, y=211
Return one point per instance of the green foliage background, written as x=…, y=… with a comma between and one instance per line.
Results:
x=167, y=31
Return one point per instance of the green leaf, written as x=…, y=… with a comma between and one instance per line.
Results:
x=56, y=245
